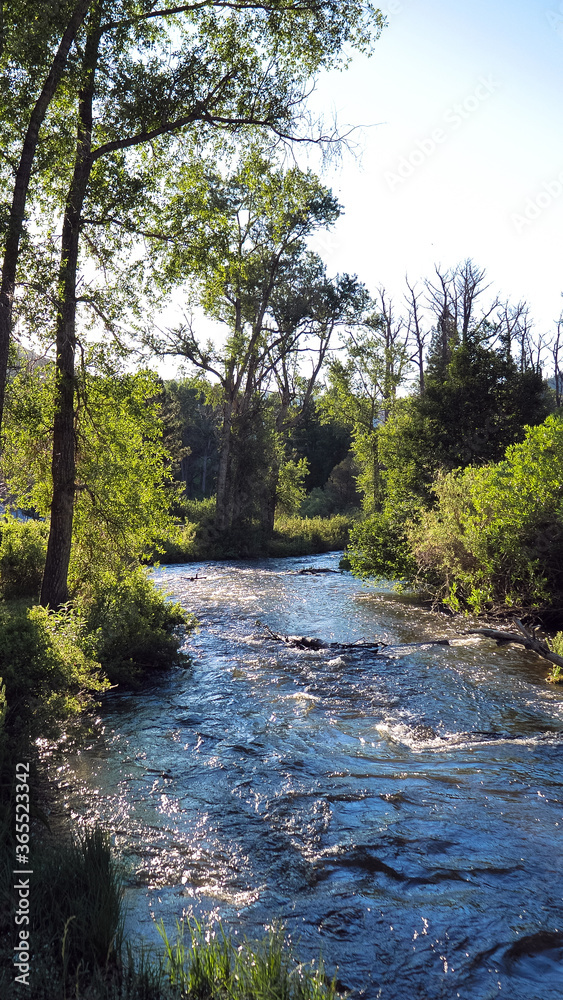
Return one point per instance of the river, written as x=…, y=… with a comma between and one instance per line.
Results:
x=402, y=812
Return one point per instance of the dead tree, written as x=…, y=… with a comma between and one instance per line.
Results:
x=415, y=331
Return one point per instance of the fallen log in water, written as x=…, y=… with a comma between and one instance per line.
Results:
x=314, y=571
x=522, y=638
x=311, y=642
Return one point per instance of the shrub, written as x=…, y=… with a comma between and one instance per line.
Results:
x=196, y=539
x=200, y=511
x=316, y=504
x=135, y=629
x=23, y=547
x=495, y=536
x=379, y=547
x=180, y=547
x=49, y=676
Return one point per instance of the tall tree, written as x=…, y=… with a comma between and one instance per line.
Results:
x=257, y=277
x=37, y=62
x=230, y=72
x=364, y=387
x=123, y=486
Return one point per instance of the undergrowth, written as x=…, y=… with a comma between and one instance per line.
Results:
x=78, y=950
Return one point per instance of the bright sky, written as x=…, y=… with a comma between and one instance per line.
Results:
x=464, y=153
x=461, y=150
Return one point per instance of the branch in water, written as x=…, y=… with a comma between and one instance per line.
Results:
x=310, y=642
x=521, y=638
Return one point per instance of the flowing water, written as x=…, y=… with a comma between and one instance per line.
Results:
x=402, y=812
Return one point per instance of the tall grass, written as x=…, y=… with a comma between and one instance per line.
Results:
x=296, y=536
x=78, y=949
x=293, y=536
x=76, y=914
x=204, y=963
x=556, y=646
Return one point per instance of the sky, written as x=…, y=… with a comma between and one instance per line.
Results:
x=457, y=150
x=461, y=150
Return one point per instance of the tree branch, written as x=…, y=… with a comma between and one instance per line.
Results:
x=521, y=638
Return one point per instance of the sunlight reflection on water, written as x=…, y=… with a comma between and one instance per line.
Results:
x=403, y=811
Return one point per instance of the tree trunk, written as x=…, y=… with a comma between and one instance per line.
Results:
x=268, y=503
x=54, y=588
x=223, y=513
x=21, y=186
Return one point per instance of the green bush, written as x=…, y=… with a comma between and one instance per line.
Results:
x=134, y=628
x=379, y=547
x=180, y=547
x=316, y=504
x=193, y=540
x=199, y=511
x=49, y=676
x=495, y=537
x=23, y=547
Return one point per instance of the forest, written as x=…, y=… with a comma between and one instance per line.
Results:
x=150, y=155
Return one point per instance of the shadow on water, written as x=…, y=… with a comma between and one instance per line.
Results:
x=402, y=811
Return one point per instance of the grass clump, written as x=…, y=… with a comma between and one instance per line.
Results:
x=78, y=888
x=296, y=536
x=205, y=963
x=555, y=676
x=76, y=929
x=79, y=950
